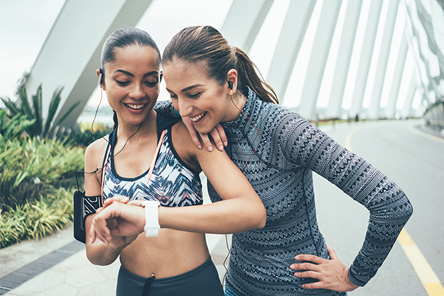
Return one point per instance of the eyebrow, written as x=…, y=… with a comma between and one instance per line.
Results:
x=132, y=75
x=186, y=88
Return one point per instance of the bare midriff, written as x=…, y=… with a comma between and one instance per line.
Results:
x=171, y=253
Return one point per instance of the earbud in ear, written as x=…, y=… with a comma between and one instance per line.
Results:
x=100, y=76
x=230, y=85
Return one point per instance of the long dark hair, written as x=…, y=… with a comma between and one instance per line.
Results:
x=123, y=38
x=205, y=43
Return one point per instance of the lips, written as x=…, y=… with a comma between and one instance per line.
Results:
x=198, y=117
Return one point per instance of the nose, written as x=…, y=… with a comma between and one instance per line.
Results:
x=137, y=92
x=185, y=107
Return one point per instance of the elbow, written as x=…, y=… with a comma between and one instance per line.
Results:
x=255, y=218
x=408, y=212
x=98, y=261
x=261, y=218
x=96, y=257
x=93, y=258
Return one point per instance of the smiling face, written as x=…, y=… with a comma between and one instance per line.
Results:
x=197, y=96
x=132, y=82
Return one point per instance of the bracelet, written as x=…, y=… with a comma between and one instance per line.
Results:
x=151, y=217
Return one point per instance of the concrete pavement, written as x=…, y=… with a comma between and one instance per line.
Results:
x=57, y=265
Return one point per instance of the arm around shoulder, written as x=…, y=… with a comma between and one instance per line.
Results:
x=241, y=208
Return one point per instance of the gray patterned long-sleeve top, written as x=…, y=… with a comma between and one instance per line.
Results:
x=289, y=149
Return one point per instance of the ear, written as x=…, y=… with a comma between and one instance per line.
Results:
x=232, y=77
x=99, y=73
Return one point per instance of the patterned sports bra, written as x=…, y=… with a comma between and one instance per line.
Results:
x=172, y=183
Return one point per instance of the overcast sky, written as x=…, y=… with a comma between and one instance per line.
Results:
x=24, y=25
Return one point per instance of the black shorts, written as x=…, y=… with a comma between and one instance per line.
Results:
x=201, y=281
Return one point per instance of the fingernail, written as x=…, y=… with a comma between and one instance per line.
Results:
x=210, y=148
x=226, y=143
x=199, y=147
x=221, y=147
x=292, y=266
x=297, y=257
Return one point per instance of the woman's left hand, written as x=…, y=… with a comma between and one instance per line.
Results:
x=217, y=134
x=118, y=220
x=331, y=274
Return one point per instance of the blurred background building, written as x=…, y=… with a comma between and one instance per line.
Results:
x=346, y=59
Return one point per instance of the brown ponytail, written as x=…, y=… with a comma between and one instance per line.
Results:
x=250, y=75
x=115, y=119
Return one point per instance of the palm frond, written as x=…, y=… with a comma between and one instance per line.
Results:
x=37, y=104
x=53, y=105
x=12, y=107
x=24, y=103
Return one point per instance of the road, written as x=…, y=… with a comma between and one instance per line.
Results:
x=415, y=161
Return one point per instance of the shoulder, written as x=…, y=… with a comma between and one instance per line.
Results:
x=96, y=149
x=188, y=152
x=184, y=146
x=278, y=121
x=181, y=137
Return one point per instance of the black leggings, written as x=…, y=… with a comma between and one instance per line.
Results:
x=201, y=281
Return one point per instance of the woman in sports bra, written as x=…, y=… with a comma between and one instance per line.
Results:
x=152, y=160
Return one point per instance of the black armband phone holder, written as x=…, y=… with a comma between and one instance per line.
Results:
x=83, y=207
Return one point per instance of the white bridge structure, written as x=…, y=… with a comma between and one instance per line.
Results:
x=366, y=46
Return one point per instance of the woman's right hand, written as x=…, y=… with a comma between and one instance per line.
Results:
x=109, y=201
x=217, y=134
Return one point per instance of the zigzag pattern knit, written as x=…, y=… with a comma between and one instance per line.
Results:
x=280, y=171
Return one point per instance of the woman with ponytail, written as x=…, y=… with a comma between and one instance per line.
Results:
x=150, y=161
x=211, y=82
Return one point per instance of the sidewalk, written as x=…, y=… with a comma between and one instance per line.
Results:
x=60, y=267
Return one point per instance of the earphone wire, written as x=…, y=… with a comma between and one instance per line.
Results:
x=226, y=236
x=225, y=260
x=97, y=109
x=99, y=170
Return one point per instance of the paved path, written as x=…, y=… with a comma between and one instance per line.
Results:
x=415, y=161
x=57, y=265
x=74, y=275
x=412, y=159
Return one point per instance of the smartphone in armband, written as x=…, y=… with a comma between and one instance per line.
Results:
x=83, y=207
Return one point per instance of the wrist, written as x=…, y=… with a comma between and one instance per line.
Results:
x=348, y=280
x=152, y=226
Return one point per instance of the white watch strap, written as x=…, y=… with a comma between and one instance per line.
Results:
x=151, y=217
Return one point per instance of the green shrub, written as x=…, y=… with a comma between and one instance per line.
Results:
x=28, y=165
x=38, y=218
x=14, y=127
